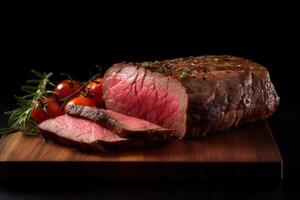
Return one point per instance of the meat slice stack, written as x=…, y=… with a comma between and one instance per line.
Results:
x=123, y=125
x=92, y=129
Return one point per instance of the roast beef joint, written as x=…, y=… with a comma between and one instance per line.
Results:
x=151, y=102
x=215, y=93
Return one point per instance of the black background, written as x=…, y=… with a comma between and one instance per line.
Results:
x=75, y=46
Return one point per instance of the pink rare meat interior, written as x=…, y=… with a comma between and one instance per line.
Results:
x=78, y=129
x=131, y=91
x=132, y=122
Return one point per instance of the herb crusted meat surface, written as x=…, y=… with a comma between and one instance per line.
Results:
x=194, y=95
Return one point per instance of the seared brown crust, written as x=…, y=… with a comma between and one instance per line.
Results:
x=101, y=117
x=201, y=66
x=99, y=146
x=223, y=91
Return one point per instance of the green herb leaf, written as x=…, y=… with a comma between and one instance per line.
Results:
x=29, y=96
x=4, y=131
x=33, y=81
x=51, y=92
x=29, y=87
x=183, y=75
x=146, y=64
x=52, y=84
x=27, y=91
x=38, y=74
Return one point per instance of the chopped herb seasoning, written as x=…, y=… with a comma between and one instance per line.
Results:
x=183, y=75
x=146, y=64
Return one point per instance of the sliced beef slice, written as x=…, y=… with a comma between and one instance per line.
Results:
x=193, y=96
x=123, y=125
x=86, y=135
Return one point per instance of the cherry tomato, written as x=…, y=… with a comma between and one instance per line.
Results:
x=66, y=88
x=48, y=108
x=53, y=108
x=39, y=115
x=80, y=100
x=94, y=91
x=51, y=97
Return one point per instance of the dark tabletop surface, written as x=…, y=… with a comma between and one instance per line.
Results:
x=149, y=191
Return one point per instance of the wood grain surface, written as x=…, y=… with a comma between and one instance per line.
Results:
x=248, y=152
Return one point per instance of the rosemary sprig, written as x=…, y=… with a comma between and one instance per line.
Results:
x=20, y=118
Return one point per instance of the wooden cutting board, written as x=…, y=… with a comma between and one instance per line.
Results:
x=248, y=152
